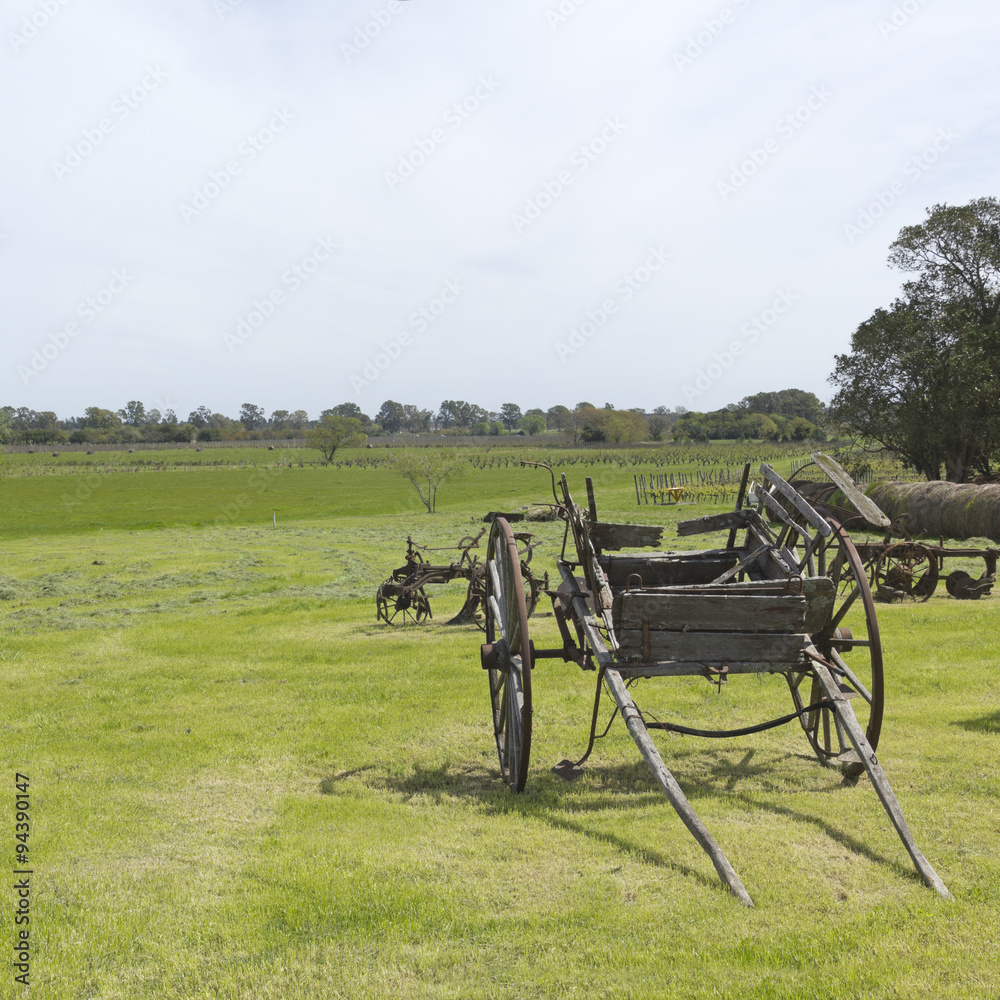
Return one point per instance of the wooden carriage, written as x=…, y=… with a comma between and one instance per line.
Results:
x=787, y=595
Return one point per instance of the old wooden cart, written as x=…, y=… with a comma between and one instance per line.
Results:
x=778, y=600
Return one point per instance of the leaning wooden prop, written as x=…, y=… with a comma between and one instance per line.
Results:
x=776, y=600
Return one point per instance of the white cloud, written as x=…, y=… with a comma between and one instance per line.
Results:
x=352, y=121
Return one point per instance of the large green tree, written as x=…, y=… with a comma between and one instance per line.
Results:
x=334, y=432
x=923, y=376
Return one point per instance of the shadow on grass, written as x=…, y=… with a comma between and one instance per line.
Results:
x=551, y=800
x=984, y=724
x=329, y=783
x=625, y=846
x=443, y=782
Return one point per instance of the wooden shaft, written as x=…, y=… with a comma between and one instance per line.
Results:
x=739, y=503
x=650, y=754
x=877, y=776
x=673, y=791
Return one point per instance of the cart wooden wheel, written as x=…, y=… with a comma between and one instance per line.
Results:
x=397, y=604
x=506, y=655
x=909, y=567
x=849, y=640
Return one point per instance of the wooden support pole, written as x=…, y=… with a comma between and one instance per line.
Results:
x=637, y=729
x=877, y=776
x=591, y=502
x=673, y=791
x=739, y=503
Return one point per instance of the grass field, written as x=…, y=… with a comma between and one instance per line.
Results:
x=243, y=787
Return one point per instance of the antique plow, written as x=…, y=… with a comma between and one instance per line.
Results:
x=789, y=597
x=402, y=598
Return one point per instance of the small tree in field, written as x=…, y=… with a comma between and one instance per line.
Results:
x=427, y=470
x=334, y=432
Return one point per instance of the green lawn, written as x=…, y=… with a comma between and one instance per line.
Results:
x=243, y=787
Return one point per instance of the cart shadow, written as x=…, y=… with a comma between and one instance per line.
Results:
x=984, y=724
x=718, y=780
x=543, y=795
x=445, y=781
x=330, y=782
x=629, y=847
x=609, y=788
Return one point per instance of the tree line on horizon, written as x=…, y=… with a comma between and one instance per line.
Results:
x=788, y=414
x=921, y=380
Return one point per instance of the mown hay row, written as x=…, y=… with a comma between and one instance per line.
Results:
x=940, y=508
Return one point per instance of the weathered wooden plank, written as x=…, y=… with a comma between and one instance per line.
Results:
x=748, y=561
x=720, y=612
x=591, y=502
x=740, y=497
x=744, y=586
x=774, y=563
x=820, y=593
x=806, y=509
x=661, y=569
x=782, y=515
x=864, y=505
x=688, y=668
x=712, y=647
x=595, y=574
x=734, y=519
x=606, y=535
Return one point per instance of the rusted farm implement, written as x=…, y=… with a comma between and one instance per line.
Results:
x=792, y=599
x=899, y=567
x=403, y=598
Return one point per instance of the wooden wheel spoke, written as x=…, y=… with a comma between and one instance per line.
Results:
x=844, y=608
x=498, y=622
x=501, y=705
x=497, y=589
x=861, y=671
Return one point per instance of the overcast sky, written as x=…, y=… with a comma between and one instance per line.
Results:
x=296, y=204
